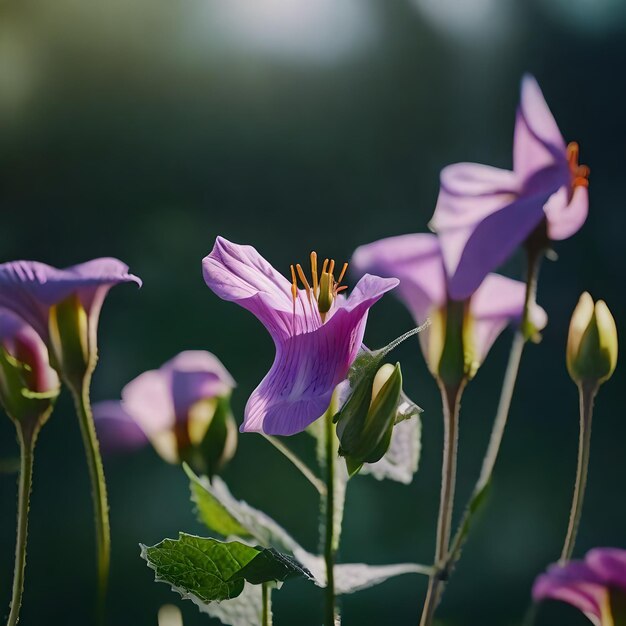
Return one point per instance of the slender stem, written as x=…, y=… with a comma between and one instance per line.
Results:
x=331, y=615
x=502, y=414
x=98, y=486
x=524, y=333
x=27, y=448
x=267, y=605
x=587, y=394
x=298, y=463
x=451, y=398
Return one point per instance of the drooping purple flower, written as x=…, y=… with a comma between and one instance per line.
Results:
x=171, y=407
x=24, y=345
x=596, y=586
x=416, y=260
x=316, y=330
x=484, y=213
x=28, y=384
x=34, y=291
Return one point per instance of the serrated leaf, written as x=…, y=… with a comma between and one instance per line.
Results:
x=233, y=514
x=212, y=570
x=244, y=610
x=349, y=577
x=211, y=512
x=402, y=459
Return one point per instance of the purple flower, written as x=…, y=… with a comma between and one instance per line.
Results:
x=316, y=330
x=171, y=407
x=28, y=384
x=24, y=345
x=596, y=586
x=417, y=261
x=484, y=213
x=38, y=292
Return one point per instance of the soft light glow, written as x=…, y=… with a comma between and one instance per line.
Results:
x=313, y=30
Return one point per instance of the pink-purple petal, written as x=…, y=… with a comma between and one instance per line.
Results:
x=415, y=260
x=308, y=366
x=471, y=252
x=196, y=375
x=566, y=215
x=498, y=302
x=117, y=430
x=30, y=288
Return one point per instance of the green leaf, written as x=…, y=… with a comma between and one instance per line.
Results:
x=211, y=512
x=349, y=577
x=220, y=440
x=228, y=516
x=212, y=570
x=244, y=610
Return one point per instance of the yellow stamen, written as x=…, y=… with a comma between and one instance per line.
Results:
x=305, y=282
x=324, y=266
x=314, y=272
x=331, y=268
x=343, y=273
x=294, y=285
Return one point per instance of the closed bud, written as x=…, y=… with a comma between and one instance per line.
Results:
x=592, y=343
x=365, y=422
x=28, y=385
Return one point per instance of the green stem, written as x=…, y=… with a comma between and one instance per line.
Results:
x=27, y=448
x=98, y=486
x=267, y=605
x=331, y=615
x=587, y=394
x=534, y=255
x=298, y=463
x=451, y=398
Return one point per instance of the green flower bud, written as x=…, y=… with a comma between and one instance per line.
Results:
x=592, y=343
x=365, y=422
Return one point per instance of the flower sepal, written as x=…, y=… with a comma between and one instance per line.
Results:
x=69, y=337
x=365, y=423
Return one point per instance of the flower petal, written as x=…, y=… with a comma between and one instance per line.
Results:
x=538, y=142
x=307, y=367
x=609, y=564
x=416, y=261
x=566, y=218
x=498, y=302
x=23, y=343
x=148, y=399
x=30, y=288
x=471, y=252
x=240, y=274
x=574, y=583
x=117, y=430
x=196, y=375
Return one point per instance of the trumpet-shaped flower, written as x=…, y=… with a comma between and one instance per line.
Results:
x=595, y=586
x=62, y=305
x=417, y=261
x=484, y=213
x=172, y=407
x=316, y=330
x=28, y=385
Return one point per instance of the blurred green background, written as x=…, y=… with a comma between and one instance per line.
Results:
x=144, y=129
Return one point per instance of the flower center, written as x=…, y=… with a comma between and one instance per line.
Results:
x=580, y=173
x=324, y=287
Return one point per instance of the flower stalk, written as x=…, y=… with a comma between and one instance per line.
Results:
x=27, y=438
x=98, y=486
x=587, y=393
x=331, y=614
x=451, y=402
